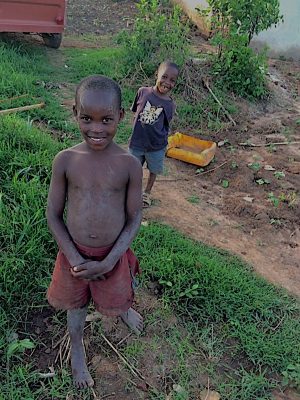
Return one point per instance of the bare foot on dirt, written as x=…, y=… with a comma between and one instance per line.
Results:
x=81, y=376
x=134, y=320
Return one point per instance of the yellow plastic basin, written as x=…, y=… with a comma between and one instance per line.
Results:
x=190, y=149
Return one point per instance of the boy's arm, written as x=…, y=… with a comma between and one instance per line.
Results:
x=133, y=108
x=55, y=210
x=131, y=227
x=133, y=214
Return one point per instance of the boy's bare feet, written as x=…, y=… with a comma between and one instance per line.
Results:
x=134, y=320
x=81, y=376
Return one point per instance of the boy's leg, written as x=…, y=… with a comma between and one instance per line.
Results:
x=155, y=164
x=134, y=320
x=81, y=375
x=150, y=182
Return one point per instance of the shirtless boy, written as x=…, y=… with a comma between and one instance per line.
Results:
x=100, y=186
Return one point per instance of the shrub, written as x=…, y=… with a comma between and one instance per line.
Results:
x=248, y=17
x=234, y=22
x=239, y=68
x=155, y=38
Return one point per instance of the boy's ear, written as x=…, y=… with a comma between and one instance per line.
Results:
x=122, y=113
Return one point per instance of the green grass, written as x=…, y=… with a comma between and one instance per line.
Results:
x=246, y=329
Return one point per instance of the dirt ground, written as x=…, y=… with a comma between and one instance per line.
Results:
x=99, y=17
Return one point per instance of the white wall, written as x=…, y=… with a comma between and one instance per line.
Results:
x=283, y=40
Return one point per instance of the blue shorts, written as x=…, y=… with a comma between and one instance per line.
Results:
x=154, y=159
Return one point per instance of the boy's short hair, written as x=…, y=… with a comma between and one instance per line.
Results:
x=99, y=82
x=169, y=63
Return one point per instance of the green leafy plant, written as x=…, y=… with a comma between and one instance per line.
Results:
x=246, y=17
x=233, y=24
x=262, y=181
x=238, y=67
x=279, y=174
x=190, y=292
x=256, y=166
x=225, y=183
x=193, y=199
x=273, y=199
x=275, y=221
x=291, y=376
x=156, y=36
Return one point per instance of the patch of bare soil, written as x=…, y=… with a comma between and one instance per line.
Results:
x=99, y=17
x=258, y=215
x=152, y=356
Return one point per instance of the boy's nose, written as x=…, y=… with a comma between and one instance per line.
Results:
x=97, y=127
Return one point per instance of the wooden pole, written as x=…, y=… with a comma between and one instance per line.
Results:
x=23, y=108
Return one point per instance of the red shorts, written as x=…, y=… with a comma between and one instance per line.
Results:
x=111, y=296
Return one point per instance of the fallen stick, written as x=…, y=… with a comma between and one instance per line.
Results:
x=213, y=169
x=268, y=144
x=218, y=101
x=60, y=340
x=23, y=108
x=133, y=370
x=173, y=180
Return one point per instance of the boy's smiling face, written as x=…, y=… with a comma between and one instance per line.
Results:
x=166, y=79
x=98, y=116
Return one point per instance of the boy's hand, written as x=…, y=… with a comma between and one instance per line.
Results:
x=92, y=270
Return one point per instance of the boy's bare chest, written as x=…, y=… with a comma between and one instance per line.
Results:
x=98, y=177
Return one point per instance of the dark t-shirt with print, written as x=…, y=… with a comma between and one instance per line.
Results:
x=152, y=120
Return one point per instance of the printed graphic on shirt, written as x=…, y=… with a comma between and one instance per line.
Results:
x=150, y=114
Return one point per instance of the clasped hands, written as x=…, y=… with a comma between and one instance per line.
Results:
x=91, y=270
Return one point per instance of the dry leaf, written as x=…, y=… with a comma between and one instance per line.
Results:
x=145, y=223
x=269, y=168
x=209, y=395
x=248, y=198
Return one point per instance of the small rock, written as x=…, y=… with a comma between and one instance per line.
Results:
x=47, y=351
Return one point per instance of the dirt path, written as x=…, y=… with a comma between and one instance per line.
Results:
x=99, y=17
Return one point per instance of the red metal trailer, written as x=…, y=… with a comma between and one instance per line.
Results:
x=46, y=17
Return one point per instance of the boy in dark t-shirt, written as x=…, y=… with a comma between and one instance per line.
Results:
x=154, y=110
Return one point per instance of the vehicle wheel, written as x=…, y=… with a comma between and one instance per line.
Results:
x=52, y=39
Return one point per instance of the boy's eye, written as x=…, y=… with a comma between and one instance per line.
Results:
x=85, y=118
x=107, y=119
